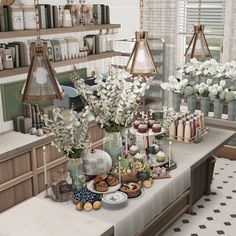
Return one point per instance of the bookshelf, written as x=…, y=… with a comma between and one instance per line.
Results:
x=74, y=29
x=23, y=70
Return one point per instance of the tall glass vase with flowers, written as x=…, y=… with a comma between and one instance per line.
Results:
x=115, y=104
x=71, y=136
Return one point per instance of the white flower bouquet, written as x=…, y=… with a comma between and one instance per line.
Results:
x=117, y=99
x=71, y=138
x=174, y=85
x=202, y=89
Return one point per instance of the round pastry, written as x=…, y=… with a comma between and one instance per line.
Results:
x=142, y=128
x=101, y=186
x=136, y=123
x=161, y=156
x=151, y=123
x=80, y=206
x=99, y=178
x=88, y=206
x=112, y=180
x=131, y=189
x=97, y=205
x=133, y=150
x=156, y=128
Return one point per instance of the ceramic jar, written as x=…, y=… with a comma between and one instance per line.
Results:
x=17, y=18
x=29, y=17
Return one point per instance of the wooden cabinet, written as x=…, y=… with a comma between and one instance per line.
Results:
x=21, y=174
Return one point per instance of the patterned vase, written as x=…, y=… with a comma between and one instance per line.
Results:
x=218, y=108
x=191, y=101
x=75, y=167
x=176, y=99
x=113, y=145
x=232, y=110
x=205, y=105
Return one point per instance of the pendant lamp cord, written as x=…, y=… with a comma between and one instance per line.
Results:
x=141, y=17
x=199, y=11
x=36, y=8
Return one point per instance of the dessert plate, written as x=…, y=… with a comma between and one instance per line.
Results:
x=115, y=198
x=134, y=131
x=111, y=189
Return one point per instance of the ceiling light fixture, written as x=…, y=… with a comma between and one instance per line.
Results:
x=141, y=60
x=41, y=82
x=198, y=47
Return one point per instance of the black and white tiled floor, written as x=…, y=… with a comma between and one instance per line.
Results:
x=215, y=214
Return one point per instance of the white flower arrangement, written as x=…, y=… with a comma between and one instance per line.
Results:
x=202, y=89
x=117, y=99
x=72, y=138
x=174, y=85
x=210, y=68
x=215, y=90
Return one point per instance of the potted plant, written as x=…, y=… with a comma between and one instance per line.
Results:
x=175, y=85
x=229, y=94
x=72, y=138
x=215, y=92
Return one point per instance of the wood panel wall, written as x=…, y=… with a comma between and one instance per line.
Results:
x=21, y=175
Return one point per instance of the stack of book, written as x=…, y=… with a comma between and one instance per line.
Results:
x=51, y=16
x=101, y=14
x=59, y=49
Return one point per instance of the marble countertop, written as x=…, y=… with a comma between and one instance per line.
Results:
x=12, y=142
x=39, y=217
x=190, y=154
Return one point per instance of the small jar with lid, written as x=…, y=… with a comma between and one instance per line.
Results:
x=29, y=17
x=17, y=18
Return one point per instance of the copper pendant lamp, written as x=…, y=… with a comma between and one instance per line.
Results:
x=198, y=47
x=41, y=82
x=141, y=60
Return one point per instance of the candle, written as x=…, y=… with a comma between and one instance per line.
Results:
x=126, y=141
x=119, y=169
x=45, y=166
x=170, y=152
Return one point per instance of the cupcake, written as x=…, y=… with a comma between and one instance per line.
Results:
x=142, y=128
x=133, y=150
x=151, y=123
x=136, y=123
x=156, y=128
x=161, y=156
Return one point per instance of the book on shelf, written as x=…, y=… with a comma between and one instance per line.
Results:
x=107, y=14
x=56, y=16
x=2, y=23
x=42, y=20
x=22, y=58
x=50, y=50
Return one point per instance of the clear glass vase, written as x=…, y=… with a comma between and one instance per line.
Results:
x=75, y=167
x=113, y=145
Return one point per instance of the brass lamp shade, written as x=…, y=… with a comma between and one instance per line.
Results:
x=141, y=60
x=198, y=47
x=41, y=83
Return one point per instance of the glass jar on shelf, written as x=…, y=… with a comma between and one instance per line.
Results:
x=87, y=12
x=75, y=11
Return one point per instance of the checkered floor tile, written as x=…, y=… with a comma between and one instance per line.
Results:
x=215, y=214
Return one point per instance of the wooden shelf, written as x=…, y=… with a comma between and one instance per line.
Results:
x=30, y=33
x=23, y=70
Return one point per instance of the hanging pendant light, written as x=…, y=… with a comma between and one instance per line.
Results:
x=198, y=47
x=141, y=60
x=41, y=83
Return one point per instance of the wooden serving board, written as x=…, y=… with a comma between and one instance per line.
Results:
x=166, y=176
